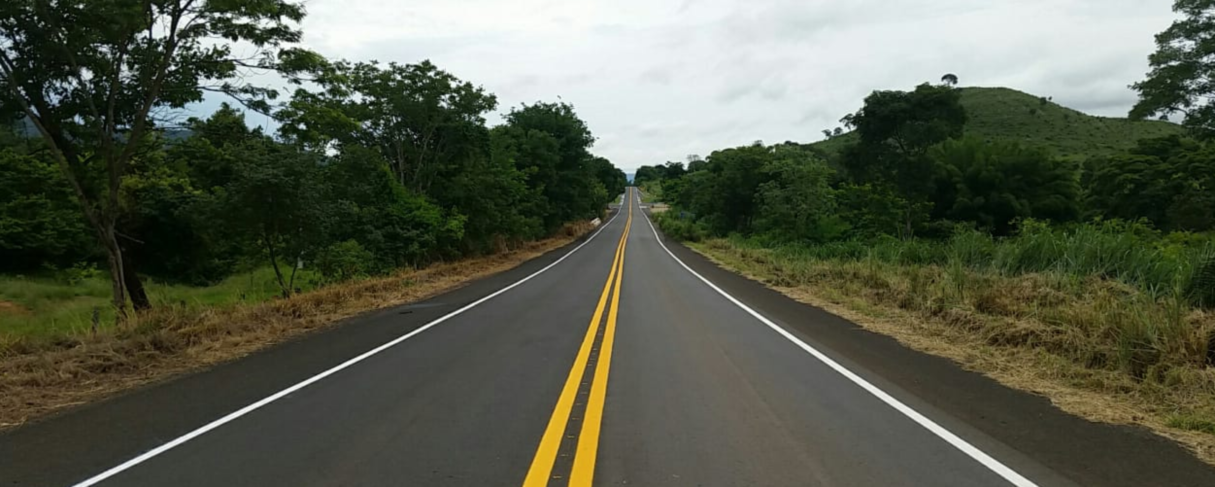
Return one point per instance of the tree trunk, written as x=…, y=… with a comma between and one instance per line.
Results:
x=295, y=267
x=139, y=296
x=277, y=273
x=114, y=258
x=907, y=230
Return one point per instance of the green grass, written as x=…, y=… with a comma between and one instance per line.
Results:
x=1003, y=114
x=1191, y=423
x=1159, y=265
x=51, y=307
x=651, y=191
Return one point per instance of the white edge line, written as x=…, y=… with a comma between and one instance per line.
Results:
x=970, y=450
x=309, y=381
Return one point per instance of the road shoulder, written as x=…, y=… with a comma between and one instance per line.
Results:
x=1086, y=452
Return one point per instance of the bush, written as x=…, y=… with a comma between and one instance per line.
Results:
x=80, y=272
x=345, y=260
x=682, y=227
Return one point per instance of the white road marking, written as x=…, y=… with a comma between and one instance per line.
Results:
x=970, y=450
x=309, y=381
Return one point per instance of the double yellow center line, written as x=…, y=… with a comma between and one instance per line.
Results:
x=583, y=470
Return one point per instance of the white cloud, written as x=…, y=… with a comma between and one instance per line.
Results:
x=659, y=79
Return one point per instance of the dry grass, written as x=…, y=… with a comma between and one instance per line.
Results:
x=9, y=308
x=39, y=377
x=1092, y=346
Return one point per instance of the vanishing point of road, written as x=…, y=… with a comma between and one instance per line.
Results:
x=623, y=359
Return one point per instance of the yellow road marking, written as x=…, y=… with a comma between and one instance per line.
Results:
x=546, y=454
x=588, y=440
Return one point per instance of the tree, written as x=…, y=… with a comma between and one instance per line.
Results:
x=995, y=184
x=896, y=130
x=91, y=75
x=911, y=122
x=645, y=174
x=612, y=178
x=1182, y=70
x=393, y=225
x=797, y=202
x=870, y=210
x=39, y=222
x=674, y=170
x=726, y=189
x=696, y=163
x=1168, y=181
x=169, y=197
x=950, y=79
x=422, y=119
x=553, y=149
x=277, y=200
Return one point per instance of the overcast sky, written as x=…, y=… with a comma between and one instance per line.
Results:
x=659, y=79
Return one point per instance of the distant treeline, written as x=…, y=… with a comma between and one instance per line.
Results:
x=910, y=175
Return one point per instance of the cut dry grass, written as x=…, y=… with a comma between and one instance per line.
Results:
x=42, y=376
x=1097, y=348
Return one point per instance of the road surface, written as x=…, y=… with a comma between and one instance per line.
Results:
x=621, y=360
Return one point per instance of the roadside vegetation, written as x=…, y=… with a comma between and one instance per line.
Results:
x=67, y=369
x=48, y=306
x=651, y=191
x=1069, y=255
x=123, y=220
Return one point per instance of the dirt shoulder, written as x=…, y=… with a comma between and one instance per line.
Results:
x=39, y=380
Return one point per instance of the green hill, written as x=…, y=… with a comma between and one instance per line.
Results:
x=1010, y=115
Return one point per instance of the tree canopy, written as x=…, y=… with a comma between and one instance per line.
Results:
x=91, y=77
x=1181, y=78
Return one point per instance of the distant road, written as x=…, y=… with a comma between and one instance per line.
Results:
x=622, y=360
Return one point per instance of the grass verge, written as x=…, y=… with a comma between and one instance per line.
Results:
x=40, y=376
x=651, y=192
x=1096, y=347
x=36, y=308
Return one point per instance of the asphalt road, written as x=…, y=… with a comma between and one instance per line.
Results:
x=615, y=361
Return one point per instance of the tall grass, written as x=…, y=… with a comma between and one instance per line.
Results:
x=1160, y=265
x=49, y=306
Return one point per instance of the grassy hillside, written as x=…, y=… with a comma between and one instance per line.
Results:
x=1011, y=115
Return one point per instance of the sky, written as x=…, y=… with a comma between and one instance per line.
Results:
x=657, y=80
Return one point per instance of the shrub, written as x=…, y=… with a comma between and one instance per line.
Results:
x=681, y=227
x=1201, y=286
x=80, y=272
x=345, y=260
